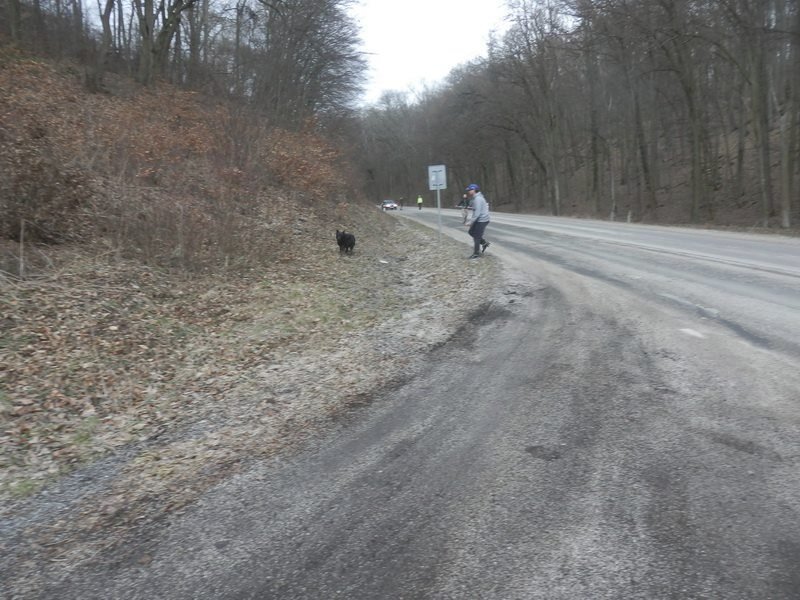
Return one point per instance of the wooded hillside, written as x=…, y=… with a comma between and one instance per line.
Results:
x=140, y=229
x=670, y=111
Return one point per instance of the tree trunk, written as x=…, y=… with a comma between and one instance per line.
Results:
x=14, y=19
x=40, y=36
x=760, y=116
x=787, y=169
x=650, y=196
x=78, y=33
x=695, y=134
x=97, y=71
x=555, y=206
x=197, y=22
x=120, y=39
x=237, y=49
x=790, y=128
x=741, y=141
x=696, y=176
x=145, y=12
x=594, y=132
x=613, y=190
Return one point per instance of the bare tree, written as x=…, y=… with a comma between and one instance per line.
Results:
x=157, y=28
x=309, y=61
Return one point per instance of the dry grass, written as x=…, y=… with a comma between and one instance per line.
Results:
x=99, y=351
x=188, y=381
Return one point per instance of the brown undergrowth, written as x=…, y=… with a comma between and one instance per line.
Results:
x=173, y=305
x=130, y=392
x=99, y=352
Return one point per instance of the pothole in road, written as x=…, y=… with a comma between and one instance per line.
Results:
x=547, y=453
x=522, y=290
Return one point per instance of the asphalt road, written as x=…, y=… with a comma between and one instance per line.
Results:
x=622, y=422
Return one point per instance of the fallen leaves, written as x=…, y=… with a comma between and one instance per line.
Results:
x=210, y=394
x=102, y=353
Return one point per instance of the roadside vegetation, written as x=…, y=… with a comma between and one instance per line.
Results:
x=168, y=318
x=167, y=260
x=134, y=251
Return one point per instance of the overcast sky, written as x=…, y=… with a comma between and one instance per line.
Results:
x=410, y=43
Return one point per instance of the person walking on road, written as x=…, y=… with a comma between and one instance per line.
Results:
x=479, y=219
x=419, y=202
x=464, y=206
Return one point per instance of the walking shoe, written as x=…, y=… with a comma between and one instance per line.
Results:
x=485, y=246
x=474, y=256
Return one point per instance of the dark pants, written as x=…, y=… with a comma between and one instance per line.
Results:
x=476, y=231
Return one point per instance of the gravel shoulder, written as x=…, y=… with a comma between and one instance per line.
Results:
x=250, y=370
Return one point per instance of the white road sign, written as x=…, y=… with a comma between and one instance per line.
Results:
x=437, y=177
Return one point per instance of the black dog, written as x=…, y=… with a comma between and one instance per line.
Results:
x=346, y=241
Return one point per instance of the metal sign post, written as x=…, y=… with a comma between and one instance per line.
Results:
x=437, y=180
